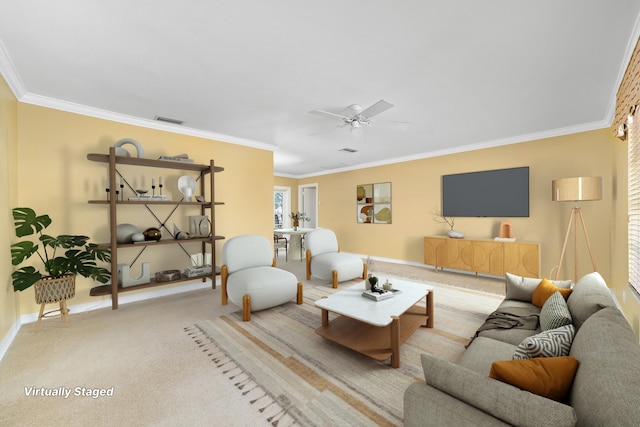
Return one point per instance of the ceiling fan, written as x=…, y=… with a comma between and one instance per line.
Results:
x=357, y=118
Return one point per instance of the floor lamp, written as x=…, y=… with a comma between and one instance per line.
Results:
x=576, y=190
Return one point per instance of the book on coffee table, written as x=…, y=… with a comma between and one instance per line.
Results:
x=377, y=296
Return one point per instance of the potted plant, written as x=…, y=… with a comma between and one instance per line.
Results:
x=296, y=217
x=57, y=281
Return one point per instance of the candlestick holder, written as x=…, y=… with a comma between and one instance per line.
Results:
x=122, y=192
x=160, y=189
x=153, y=189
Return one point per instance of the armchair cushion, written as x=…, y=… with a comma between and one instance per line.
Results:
x=321, y=241
x=348, y=266
x=267, y=286
x=246, y=251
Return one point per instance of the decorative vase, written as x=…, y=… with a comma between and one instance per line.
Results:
x=455, y=234
x=296, y=224
x=152, y=233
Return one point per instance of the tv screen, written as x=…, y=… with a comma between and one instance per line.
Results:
x=494, y=193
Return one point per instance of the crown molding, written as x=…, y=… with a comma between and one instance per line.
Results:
x=84, y=110
x=470, y=147
x=9, y=73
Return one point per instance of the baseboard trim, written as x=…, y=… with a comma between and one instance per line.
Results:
x=105, y=303
x=7, y=340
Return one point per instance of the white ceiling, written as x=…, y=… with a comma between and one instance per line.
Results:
x=465, y=73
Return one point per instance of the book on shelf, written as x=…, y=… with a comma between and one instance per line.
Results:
x=180, y=158
x=377, y=296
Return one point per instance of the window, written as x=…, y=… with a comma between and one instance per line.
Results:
x=633, y=126
x=281, y=203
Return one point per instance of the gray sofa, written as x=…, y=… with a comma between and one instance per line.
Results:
x=605, y=389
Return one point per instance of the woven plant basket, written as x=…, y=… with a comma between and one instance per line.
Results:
x=53, y=289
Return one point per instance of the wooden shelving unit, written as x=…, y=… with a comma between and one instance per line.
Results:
x=113, y=161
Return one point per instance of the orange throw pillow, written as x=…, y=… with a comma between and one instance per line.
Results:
x=544, y=290
x=550, y=377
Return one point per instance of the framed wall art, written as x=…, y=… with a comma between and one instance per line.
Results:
x=373, y=203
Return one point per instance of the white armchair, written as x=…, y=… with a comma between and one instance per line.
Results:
x=249, y=277
x=325, y=261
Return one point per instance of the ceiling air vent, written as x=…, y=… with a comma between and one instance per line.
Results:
x=168, y=120
x=348, y=150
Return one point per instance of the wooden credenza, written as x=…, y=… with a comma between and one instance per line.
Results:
x=483, y=256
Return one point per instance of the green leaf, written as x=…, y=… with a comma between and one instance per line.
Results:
x=24, y=278
x=21, y=251
x=27, y=222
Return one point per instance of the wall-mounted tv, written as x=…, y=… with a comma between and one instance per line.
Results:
x=493, y=193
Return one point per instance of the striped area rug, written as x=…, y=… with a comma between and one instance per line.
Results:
x=292, y=376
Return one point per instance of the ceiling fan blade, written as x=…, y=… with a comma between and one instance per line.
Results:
x=376, y=108
x=328, y=114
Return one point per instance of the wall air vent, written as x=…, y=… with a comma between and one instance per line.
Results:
x=168, y=120
x=348, y=150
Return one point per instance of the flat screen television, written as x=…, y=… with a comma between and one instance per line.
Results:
x=493, y=193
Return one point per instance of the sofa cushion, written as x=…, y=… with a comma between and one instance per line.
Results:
x=555, y=313
x=512, y=336
x=606, y=385
x=589, y=295
x=521, y=288
x=483, y=352
x=545, y=376
x=544, y=290
x=551, y=343
x=503, y=401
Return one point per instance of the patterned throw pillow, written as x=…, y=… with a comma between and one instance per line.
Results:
x=555, y=313
x=552, y=343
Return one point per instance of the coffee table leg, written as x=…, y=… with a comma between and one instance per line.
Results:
x=430, y=309
x=325, y=318
x=395, y=342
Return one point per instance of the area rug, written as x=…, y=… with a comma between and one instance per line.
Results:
x=288, y=373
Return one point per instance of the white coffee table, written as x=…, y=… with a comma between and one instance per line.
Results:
x=376, y=328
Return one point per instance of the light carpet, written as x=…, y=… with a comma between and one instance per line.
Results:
x=160, y=375
x=291, y=375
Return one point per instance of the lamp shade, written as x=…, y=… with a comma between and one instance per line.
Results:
x=576, y=189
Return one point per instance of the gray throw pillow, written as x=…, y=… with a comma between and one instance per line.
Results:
x=555, y=313
x=520, y=288
x=552, y=343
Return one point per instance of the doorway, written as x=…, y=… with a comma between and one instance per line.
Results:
x=281, y=207
x=308, y=202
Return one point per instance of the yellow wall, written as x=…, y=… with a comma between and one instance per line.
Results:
x=416, y=191
x=55, y=177
x=8, y=141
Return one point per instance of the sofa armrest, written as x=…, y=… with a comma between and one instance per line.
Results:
x=426, y=406
x=510, y=404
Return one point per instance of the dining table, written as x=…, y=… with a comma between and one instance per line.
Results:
x=295, y=240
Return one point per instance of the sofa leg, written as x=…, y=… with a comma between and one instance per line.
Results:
x=246, y=308
x=334, y=274
x=299, y=299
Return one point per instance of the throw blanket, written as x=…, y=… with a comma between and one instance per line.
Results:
x=509, y=318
